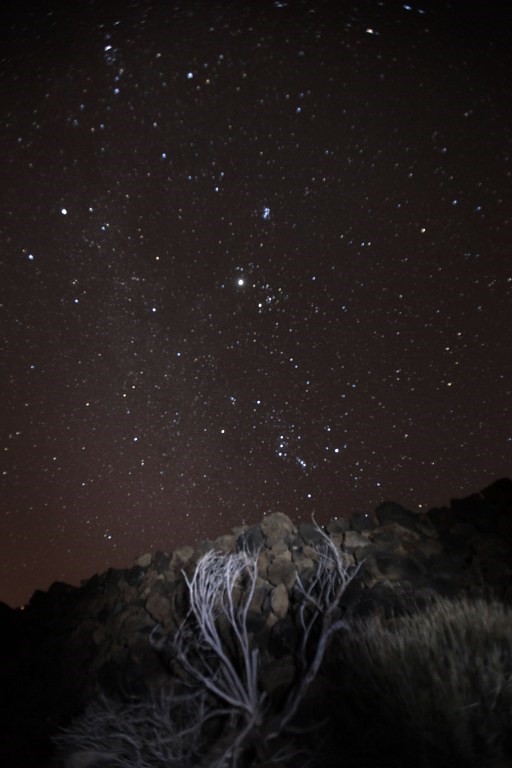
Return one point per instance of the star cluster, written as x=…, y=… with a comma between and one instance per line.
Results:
x=255, y=257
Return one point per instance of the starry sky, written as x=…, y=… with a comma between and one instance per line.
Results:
x=255, y=256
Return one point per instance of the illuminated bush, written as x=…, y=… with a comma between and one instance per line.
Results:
x=218, y=713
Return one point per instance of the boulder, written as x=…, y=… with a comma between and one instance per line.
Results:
x=277, y=527
x=279, y=601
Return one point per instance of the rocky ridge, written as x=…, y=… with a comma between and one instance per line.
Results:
x=72, y=642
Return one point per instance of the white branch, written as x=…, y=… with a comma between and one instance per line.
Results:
x=230, y=674
x=320, y=601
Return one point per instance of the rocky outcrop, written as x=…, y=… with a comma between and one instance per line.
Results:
x=70, y=643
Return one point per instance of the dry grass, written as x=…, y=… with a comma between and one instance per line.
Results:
x=430, y=689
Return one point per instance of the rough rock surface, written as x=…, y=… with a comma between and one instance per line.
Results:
x=70, y=643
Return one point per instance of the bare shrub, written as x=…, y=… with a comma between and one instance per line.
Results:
x=160, y=731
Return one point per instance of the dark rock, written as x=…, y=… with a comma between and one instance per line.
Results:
x=114, y=575
x=92, y=587
x=121, y=677
x=390, y=512
x=304, y=564
x=363, y=521
x=283, y=638
x=255, y=622
x=387, y=600
x=258, y=599
x=384, y=567
x=277, y=527
x=462, y=532
x=449, y=563
x=310, y=534
x=492, y=572
x=104, y=613
x=279, y=601
x=426, y=528
x=280, y=550
x=12, y=629
x=282, y=571
x=182, y=557
x=395, y=538
x=429, y=547
x=161, y=561
x=504, y=528
x=46, y=604
x=355, y=541
x=499, y=493
x=475, y=510
x=251, y=540
x=159, y=607
x=457, y=545
x=495, y=547
x=135, y=576
x=276, y=679
x=226, y=543
x=449, y=574
x=340, y=525
x=442, y=518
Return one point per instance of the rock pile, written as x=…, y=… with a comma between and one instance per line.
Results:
x=70, y=643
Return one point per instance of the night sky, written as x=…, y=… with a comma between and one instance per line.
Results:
x=255, y=256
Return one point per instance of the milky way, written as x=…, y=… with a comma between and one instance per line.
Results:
x=256, y=256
